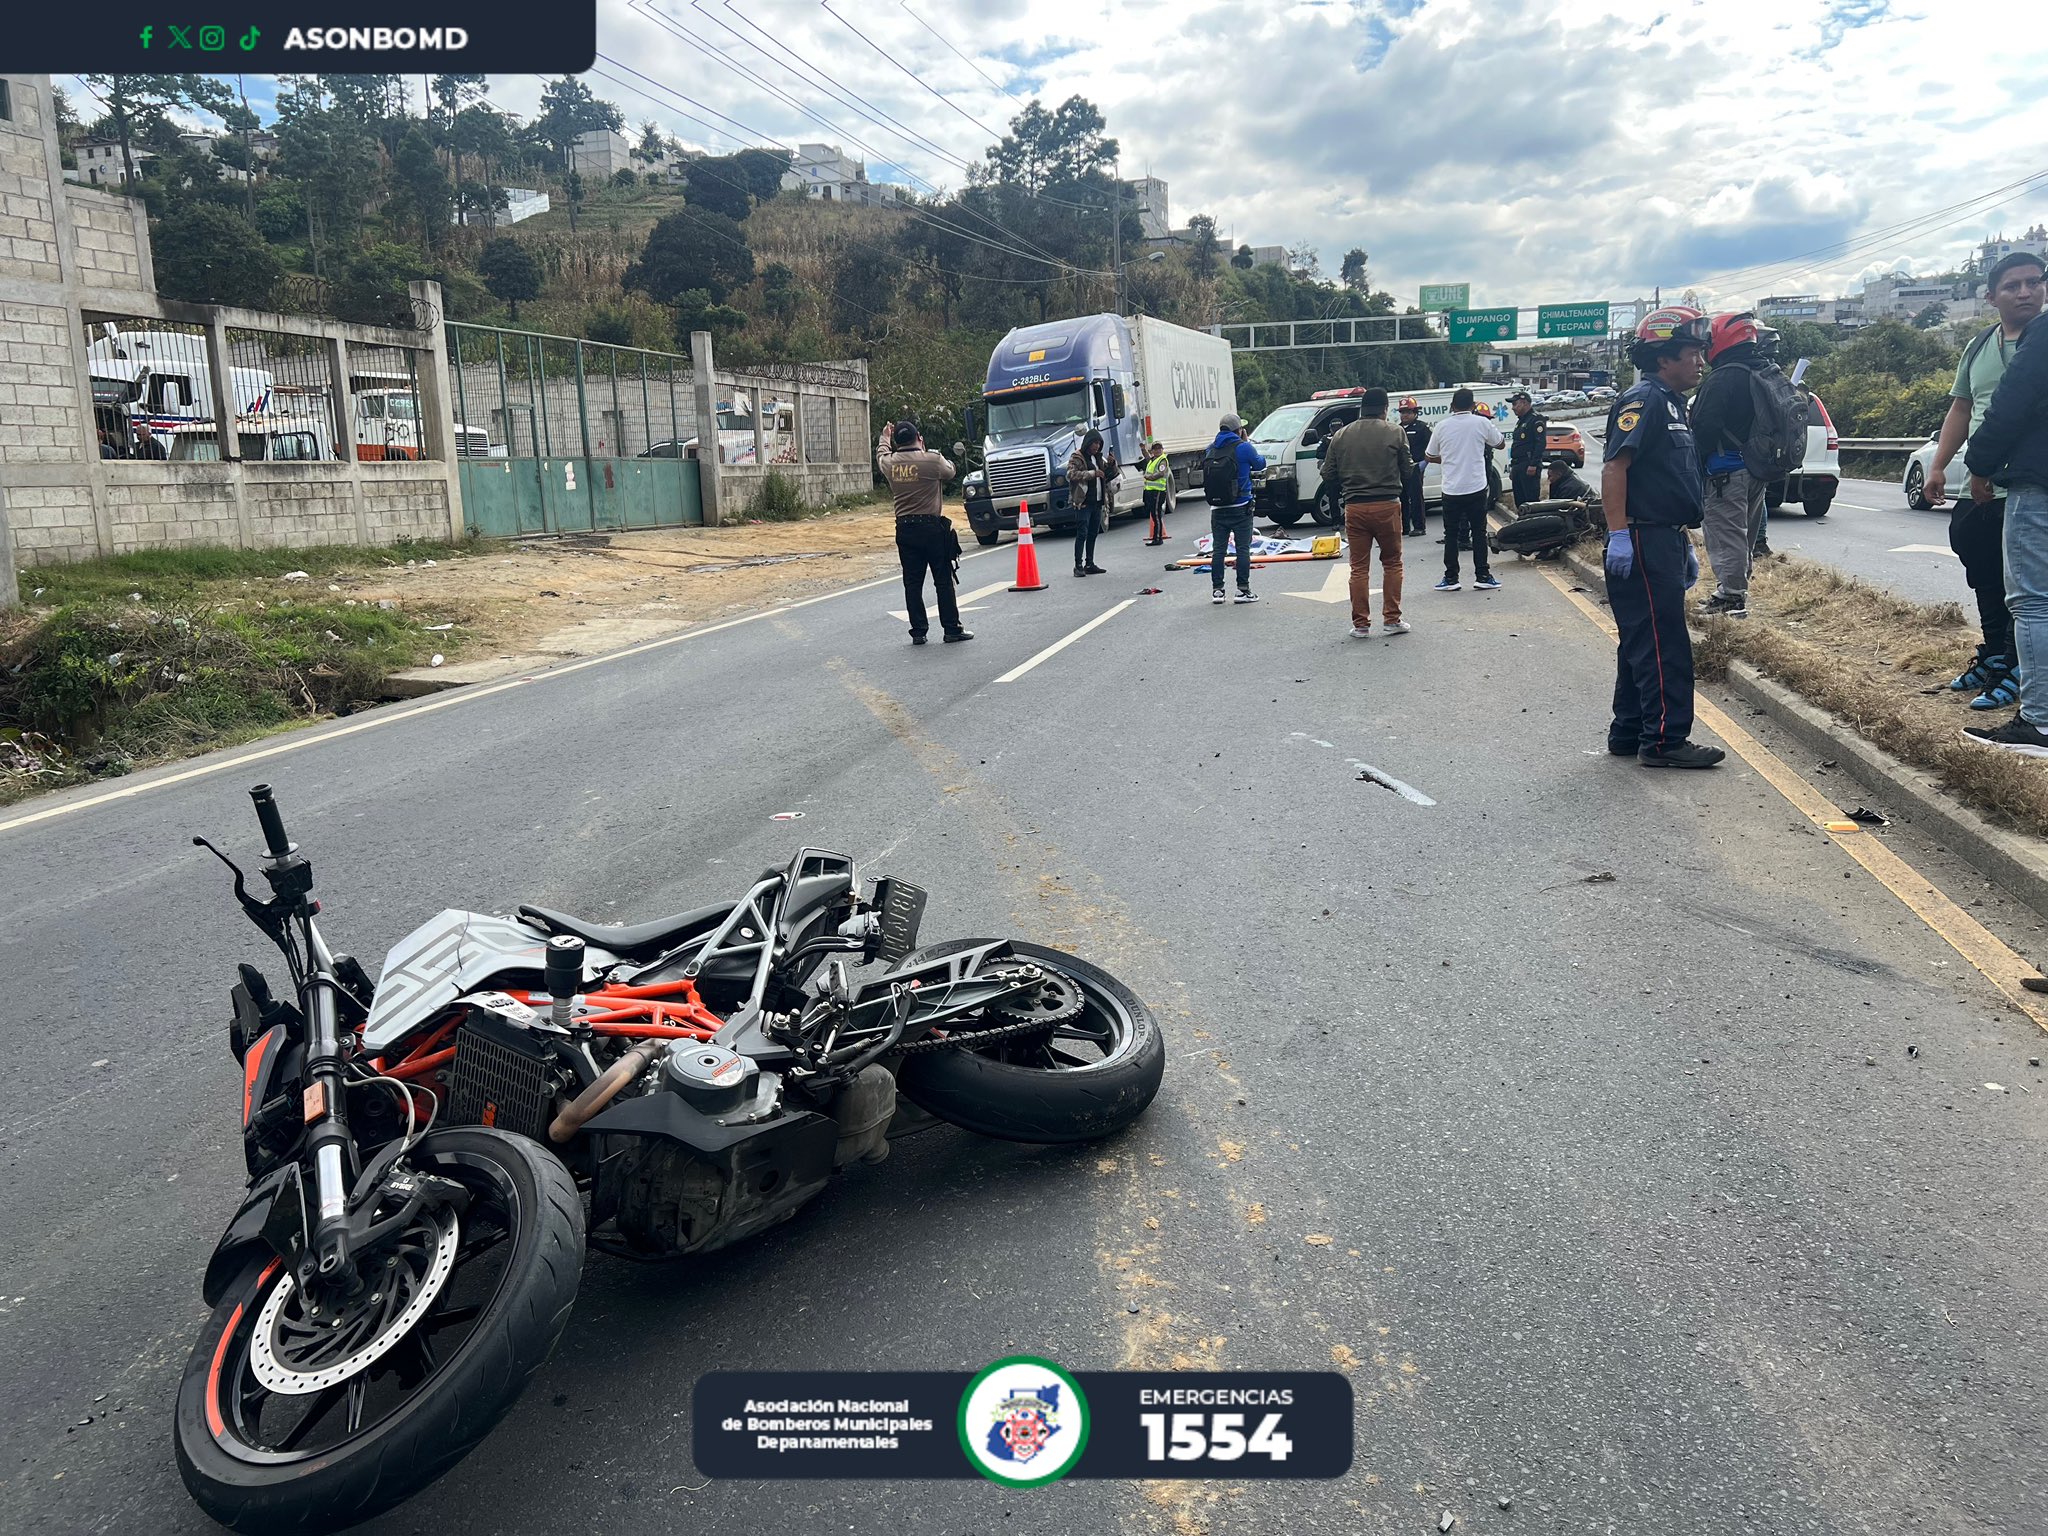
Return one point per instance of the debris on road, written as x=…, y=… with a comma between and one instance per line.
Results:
x=438, y=659
x=1446, y=1521
x=1912, y=1050
x=1863, y=816
x=1604, y=877
x=2035, y=983
x=295, y=576
x=1318, y=1239
x=787, y=816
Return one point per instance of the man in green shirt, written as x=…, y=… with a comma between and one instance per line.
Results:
x=1976, y=528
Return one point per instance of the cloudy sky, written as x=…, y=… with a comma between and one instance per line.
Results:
x=1543, y=150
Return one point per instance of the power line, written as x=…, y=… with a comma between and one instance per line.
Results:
x=984, y=127
x=1869, y=240
x=975, y=277
x=719, y=56
x=958, y=54
x=647, y=7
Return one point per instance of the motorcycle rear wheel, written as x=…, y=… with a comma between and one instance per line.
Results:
x=262, y=1461
x=1083, y=1079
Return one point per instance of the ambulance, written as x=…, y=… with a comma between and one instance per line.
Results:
x=1292, y=436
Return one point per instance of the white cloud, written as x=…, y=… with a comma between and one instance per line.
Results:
x=1540, y=149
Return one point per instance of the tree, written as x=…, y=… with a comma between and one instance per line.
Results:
x=332, y=159
x=1204, y=249
x=424, y=186
x=762, y=170
x=696, y=310
x=372, y=288
x=691, y=250
x=481, y=133
x=572, y=189
x=1932, y=316
x=452, y=96
x=653, y=145
x=206, y=254
x=483, y=204
x=1305, y=260
x=137, y=103
x=568, y=111
x=862, y=277
x=1045, y=149
x=718, y=186
x=779, y=292
x=1353, y=273
x=509, y=271
x=1243, y=259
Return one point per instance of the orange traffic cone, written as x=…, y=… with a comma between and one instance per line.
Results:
x=1028, y=579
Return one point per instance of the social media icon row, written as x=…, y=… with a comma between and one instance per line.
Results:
x=211, y=39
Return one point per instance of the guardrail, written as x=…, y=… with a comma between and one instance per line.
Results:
x=1882, y=444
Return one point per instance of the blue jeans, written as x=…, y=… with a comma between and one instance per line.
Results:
x=2026, y=594
x=1223, y=523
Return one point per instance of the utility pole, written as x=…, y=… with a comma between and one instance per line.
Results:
x=1116, y=232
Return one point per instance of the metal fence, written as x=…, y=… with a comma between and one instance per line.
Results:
x=581, y=435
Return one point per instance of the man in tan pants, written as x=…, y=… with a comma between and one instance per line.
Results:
x=1368, y=462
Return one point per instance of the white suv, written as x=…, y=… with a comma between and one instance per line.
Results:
x=1814, y=482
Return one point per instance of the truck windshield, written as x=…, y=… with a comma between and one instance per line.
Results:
x=1056, y=408
x=1285, y=424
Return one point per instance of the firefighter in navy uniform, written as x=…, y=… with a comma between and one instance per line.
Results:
x=1651, y=492
x=1526, y=447
x=1413, y=518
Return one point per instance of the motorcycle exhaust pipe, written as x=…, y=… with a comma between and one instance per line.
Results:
x=600, y=1093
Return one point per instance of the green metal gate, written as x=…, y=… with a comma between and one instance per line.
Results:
x=560, y=435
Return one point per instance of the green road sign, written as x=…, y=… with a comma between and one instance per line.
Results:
x=1437, y=297
x=1485, y=324
x=1571, y=320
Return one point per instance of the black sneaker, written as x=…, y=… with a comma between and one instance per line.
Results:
x=1725, y=605
x=954, y=637
x=1245, y=595
x=2016, y=735
x=1690, y=754
x=1216, y=596
x=1092, y=569
x=917, y=639
x=1622, y=748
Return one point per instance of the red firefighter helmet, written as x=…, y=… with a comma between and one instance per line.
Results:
x=1663, y=331
x=1730, y=330
x=1408, y=403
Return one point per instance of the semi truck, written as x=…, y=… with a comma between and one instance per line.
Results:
x=1134, y=380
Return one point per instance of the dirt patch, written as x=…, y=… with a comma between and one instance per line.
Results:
x=534, y=596
x=1881, y=664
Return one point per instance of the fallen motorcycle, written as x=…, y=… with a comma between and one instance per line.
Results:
x=429, y=1153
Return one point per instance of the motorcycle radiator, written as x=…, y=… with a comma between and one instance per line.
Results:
x=503, y=1077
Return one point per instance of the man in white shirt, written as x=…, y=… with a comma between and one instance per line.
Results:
x=1461, y=444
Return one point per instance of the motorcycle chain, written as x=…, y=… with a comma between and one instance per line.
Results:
x=975, y=1038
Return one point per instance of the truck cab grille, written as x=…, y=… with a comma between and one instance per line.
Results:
x=1025, y=474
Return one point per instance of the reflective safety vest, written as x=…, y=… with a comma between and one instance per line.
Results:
x=1158, y=474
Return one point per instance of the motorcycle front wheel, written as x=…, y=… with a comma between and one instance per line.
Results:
x=285, y=1424
x=1083, y=1078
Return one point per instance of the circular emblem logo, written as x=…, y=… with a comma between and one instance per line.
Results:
x=1023, y=1422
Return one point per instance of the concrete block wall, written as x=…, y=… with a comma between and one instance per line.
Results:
x=818, y=483
x=67, y=252
x=28, y=215
x=41, y=400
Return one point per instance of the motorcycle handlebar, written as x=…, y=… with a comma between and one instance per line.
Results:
x=272, y=822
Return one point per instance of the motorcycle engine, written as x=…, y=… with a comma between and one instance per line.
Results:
x=717, y=1154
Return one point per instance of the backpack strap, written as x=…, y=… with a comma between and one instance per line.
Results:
x=1970, y=352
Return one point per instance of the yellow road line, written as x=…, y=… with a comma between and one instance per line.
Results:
x=1999, y=964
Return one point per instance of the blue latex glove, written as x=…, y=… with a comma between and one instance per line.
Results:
x=1692, y=566
x=1621, y=555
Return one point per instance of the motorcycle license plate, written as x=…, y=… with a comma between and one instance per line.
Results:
x=902, y=907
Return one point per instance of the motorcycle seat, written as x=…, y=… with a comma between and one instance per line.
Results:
x=629, y=938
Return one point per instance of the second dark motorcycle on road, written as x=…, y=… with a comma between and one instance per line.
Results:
x=430, y=1153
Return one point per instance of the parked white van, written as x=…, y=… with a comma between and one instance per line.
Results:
x=1291, y=437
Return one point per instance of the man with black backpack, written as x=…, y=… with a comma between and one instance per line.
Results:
x=1227, y=486
x=1748, y=421
x=1976, y=528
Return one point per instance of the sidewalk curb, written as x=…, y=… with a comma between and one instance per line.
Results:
x=2018, y=865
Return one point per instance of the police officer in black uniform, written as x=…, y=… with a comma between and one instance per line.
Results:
x=1526, y=447
x=1651, y=492
x=1413, y=518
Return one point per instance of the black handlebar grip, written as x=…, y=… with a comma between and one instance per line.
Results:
x=272, y=822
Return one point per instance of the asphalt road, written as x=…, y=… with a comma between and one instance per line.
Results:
x=1869, y=533
x=1570, y=1064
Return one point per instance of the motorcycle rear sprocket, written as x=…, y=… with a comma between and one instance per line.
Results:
x=1053, y=1000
